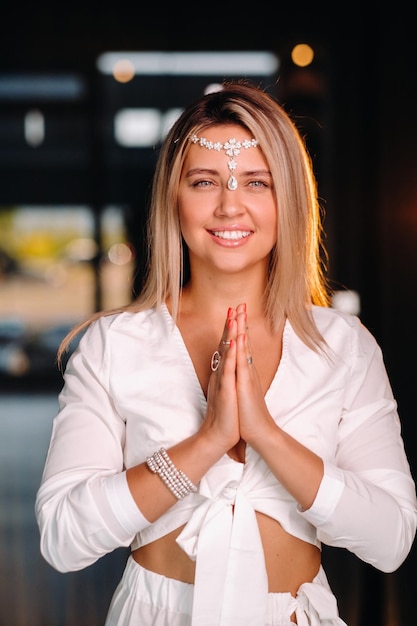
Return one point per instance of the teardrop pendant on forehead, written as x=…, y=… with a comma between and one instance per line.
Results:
x=232, y=183
x=232, y=148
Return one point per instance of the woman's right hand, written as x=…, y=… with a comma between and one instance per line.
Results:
x=221, y=422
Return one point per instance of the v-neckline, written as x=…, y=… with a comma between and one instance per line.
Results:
x=183, y=347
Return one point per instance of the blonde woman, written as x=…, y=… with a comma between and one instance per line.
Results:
x=228, y=421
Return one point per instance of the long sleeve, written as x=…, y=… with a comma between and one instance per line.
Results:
x=84, y=507
x=367, y=502
x=119, y=403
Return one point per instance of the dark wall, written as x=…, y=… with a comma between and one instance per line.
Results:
x=374, y=199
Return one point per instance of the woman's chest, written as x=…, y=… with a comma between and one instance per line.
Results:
x=162, y=402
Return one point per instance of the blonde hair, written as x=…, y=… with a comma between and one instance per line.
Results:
x=296, y=277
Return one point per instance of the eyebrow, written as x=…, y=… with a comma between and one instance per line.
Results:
x=256, y=173
x=199, y=171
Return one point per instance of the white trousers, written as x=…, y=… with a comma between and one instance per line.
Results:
x=144, y=598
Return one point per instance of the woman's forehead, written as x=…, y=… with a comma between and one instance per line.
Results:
x=221, y=146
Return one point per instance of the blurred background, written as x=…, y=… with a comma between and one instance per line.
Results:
x=86, y=93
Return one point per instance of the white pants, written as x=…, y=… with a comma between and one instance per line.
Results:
x=144, y=598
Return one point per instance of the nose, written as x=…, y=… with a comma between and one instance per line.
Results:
x=230, y=203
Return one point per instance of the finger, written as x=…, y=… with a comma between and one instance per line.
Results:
x=229, y=333
x=243, y=328
x=241, y=309
x=229, y=330
x=227, y=348
x=241, y=318
x=244, y=355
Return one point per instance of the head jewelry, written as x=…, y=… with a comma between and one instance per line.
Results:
x=232, y=149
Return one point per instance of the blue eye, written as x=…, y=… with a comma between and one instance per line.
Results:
x=259, y=184
x=201, y=183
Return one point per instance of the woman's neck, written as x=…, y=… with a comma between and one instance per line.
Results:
x=214, y=300
x=212, y=294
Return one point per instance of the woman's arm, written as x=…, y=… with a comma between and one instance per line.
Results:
x=364, y=500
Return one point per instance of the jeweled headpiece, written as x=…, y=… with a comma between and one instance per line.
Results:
x=232, y=149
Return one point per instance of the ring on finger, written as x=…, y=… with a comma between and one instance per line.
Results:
x=226, y=343
x=249, y=360
x=215, y=361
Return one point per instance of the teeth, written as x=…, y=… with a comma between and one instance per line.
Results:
x=231, y=234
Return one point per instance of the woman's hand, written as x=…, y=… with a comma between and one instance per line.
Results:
x=236, y=407
x=221, y=421
x=255, y=420
x=298, y=469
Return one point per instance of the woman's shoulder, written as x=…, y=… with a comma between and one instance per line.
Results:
x=127, y=324
x=327, y=316
x=340, y=328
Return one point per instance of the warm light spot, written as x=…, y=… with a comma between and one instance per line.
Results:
x=302, y=55
x=123, y=70
x=120, y=254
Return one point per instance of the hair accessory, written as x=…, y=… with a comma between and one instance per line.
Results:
x=177, y=482
x=232, y=149
x=215, y=361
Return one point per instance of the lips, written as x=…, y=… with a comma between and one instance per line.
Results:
x=231, y=235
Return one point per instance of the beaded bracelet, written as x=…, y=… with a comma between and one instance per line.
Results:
x=177, y=482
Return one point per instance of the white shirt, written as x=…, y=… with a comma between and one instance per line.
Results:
x=130, y=388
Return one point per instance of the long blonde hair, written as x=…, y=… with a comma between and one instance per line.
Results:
x=296, y=275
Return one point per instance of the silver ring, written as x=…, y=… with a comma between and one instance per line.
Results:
x=215, y=361
x=226, y=343
x=249, y=360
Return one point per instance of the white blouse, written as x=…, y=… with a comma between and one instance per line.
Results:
x=130, y=388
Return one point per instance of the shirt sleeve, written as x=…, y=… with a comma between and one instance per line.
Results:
x=366, y=502
x=84, y=507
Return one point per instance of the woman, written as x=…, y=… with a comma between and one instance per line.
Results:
x=228, y=421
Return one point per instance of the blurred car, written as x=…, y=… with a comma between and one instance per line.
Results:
x=29, y=357
x=42, y=349
x=13, y=358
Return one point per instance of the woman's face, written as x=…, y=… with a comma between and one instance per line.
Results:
x=225, y=229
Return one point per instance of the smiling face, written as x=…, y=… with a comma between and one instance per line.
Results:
x=227, y=227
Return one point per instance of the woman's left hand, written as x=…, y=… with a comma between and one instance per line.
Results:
x=254, y=418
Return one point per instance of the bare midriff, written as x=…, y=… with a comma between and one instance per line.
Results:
x=289, y=560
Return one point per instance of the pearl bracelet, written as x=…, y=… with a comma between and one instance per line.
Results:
x=177, y=482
